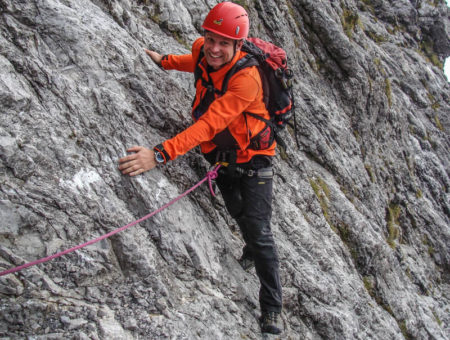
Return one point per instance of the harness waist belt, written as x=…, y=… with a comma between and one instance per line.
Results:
x=263, y=172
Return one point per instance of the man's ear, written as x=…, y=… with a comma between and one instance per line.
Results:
x=239, y=44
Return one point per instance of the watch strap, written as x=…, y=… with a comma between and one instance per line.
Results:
x=160, y=149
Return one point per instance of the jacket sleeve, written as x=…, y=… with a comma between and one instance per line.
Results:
x=242, y=90
x=185, y=62
x=178, y=62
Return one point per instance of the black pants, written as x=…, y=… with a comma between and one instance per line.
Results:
x=249, y=202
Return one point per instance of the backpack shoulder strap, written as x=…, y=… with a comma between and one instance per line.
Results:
x=252, y=58
x=198, y=71
x=247, y=61
x=254, y=50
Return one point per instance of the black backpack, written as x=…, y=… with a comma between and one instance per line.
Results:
x=277, y=88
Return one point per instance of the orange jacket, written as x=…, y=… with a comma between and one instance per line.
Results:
x=244, y=93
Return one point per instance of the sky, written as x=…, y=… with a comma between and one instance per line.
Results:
x=447, y=69
x=447, y=61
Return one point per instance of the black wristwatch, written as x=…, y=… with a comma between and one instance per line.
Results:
x=159, y=157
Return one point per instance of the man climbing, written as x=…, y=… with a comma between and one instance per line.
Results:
x=227, y=134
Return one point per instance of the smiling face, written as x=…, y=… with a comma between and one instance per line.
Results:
x=219, y=50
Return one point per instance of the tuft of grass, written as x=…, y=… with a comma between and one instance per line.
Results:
x=242, y=3
x=322, y=192
x=344, y=232
x=370, y=172
x=324, y=187
x=388, y=91
x=427, y=49
x=368, y=6
x=392, y=216
x=436, y=317
x=427, y=243
x=438, y=123
x=349, y=21
x=404, y=329
x=377, y=38
x=434, y=103
x=283, y=154
x=368, y=284
x=435, y=3
x=179, y=38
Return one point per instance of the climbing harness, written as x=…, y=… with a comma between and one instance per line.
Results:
x=210, y=176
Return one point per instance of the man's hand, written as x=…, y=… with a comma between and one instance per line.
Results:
x=141, y=160
x=156, y=57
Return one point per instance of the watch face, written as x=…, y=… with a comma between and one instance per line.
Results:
x=159, y=158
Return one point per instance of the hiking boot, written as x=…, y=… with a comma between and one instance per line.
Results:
x=246, y=263
x=269, y=323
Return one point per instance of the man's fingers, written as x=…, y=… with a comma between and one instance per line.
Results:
x=137, y=163
x=131, y=157
x=125, y=168
x=135, y=148
x=137, y=172
x=156, y=57
x=127, y=159
x=129, y=169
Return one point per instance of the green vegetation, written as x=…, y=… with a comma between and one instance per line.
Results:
x=427, y=243
x=419, y=193
x=343, y=231
x=436, y=317
x=435, y=106
x=438, y=123
x=427, y=49
x=430, y=140
x=408, y=273
x=392, y=215
x=436, y=3
x=370, y=172
x=291, y=10
x=388, y=91
x=402, y=326
x=434, y=103
x=73, y=135
x=242, y=3
x=156, y=18
x=349, y=21
x=322, y=192
x=376, y=37
x=283, y=154
x=368, y=284
x=181, y=41
x=367, y=6
x=155, y=14
x=380, y=68
x=387, y=308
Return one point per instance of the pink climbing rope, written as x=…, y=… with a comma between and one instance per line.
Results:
x=211, y=175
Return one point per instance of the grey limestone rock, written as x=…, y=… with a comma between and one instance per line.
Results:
x=361, y=206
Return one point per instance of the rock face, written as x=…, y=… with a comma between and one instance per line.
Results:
x=361, y=206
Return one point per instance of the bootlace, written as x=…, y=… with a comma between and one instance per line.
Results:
x=270, y=318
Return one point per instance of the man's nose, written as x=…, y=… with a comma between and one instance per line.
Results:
x=215, y=47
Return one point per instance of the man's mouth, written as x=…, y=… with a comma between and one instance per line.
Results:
x=215, y=56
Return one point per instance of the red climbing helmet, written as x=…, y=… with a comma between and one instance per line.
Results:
x=228, y=20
